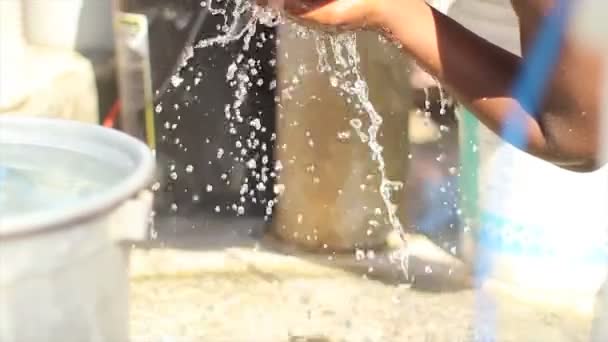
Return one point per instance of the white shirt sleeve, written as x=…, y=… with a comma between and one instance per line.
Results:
x=441, y=5
x=494, y=20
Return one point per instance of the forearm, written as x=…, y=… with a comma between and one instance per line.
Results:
x=477, y=72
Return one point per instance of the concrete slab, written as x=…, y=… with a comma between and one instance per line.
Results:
x=256, y=293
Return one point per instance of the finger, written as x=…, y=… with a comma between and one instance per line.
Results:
x=300, y=7
x=337, y=13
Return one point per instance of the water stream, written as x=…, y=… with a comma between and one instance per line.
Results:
x=240, y=21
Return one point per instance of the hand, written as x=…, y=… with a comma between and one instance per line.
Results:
x=341, y=14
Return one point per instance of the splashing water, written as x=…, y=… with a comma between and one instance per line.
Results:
x=345, y=76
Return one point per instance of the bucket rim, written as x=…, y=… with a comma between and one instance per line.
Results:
x=91, y=207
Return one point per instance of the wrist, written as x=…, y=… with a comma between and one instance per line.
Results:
x=380, y=14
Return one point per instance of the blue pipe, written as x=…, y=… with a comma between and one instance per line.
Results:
x=528, y=89
x=535, y=74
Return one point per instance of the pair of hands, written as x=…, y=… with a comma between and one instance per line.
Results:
x=341, y=14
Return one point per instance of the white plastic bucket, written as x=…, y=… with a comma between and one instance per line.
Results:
x=12, y=52
x=544, y=227
x=52, y=23
x=70, y=195
x=81, y=25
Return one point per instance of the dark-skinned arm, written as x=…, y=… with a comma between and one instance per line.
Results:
x=481, y=75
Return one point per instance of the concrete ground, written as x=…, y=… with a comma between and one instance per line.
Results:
x=212, y=284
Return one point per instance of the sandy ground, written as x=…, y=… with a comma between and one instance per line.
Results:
x=244, y=290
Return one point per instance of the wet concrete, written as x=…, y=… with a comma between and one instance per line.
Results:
x=234, y=287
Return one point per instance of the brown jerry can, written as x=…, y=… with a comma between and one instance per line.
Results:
x=331, y=200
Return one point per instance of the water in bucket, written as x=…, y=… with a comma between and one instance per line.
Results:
x=39, y=178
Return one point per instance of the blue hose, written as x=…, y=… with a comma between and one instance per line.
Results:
x=528, y=90
x=536, y=72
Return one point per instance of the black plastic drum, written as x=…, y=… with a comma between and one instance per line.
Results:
x=202, y=166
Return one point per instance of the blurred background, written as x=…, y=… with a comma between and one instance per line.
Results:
x=113, y=63
x=267, y=221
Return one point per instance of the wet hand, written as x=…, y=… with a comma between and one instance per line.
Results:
x=341, y=14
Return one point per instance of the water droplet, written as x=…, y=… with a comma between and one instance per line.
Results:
x=356, y=123
x=173, y=175
x=189, y=168
x=209, y=188
x=256, y=123
x=344, y=136
x=231, y=71
x=279, y=189
x=333, y=80
x=176, y=81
